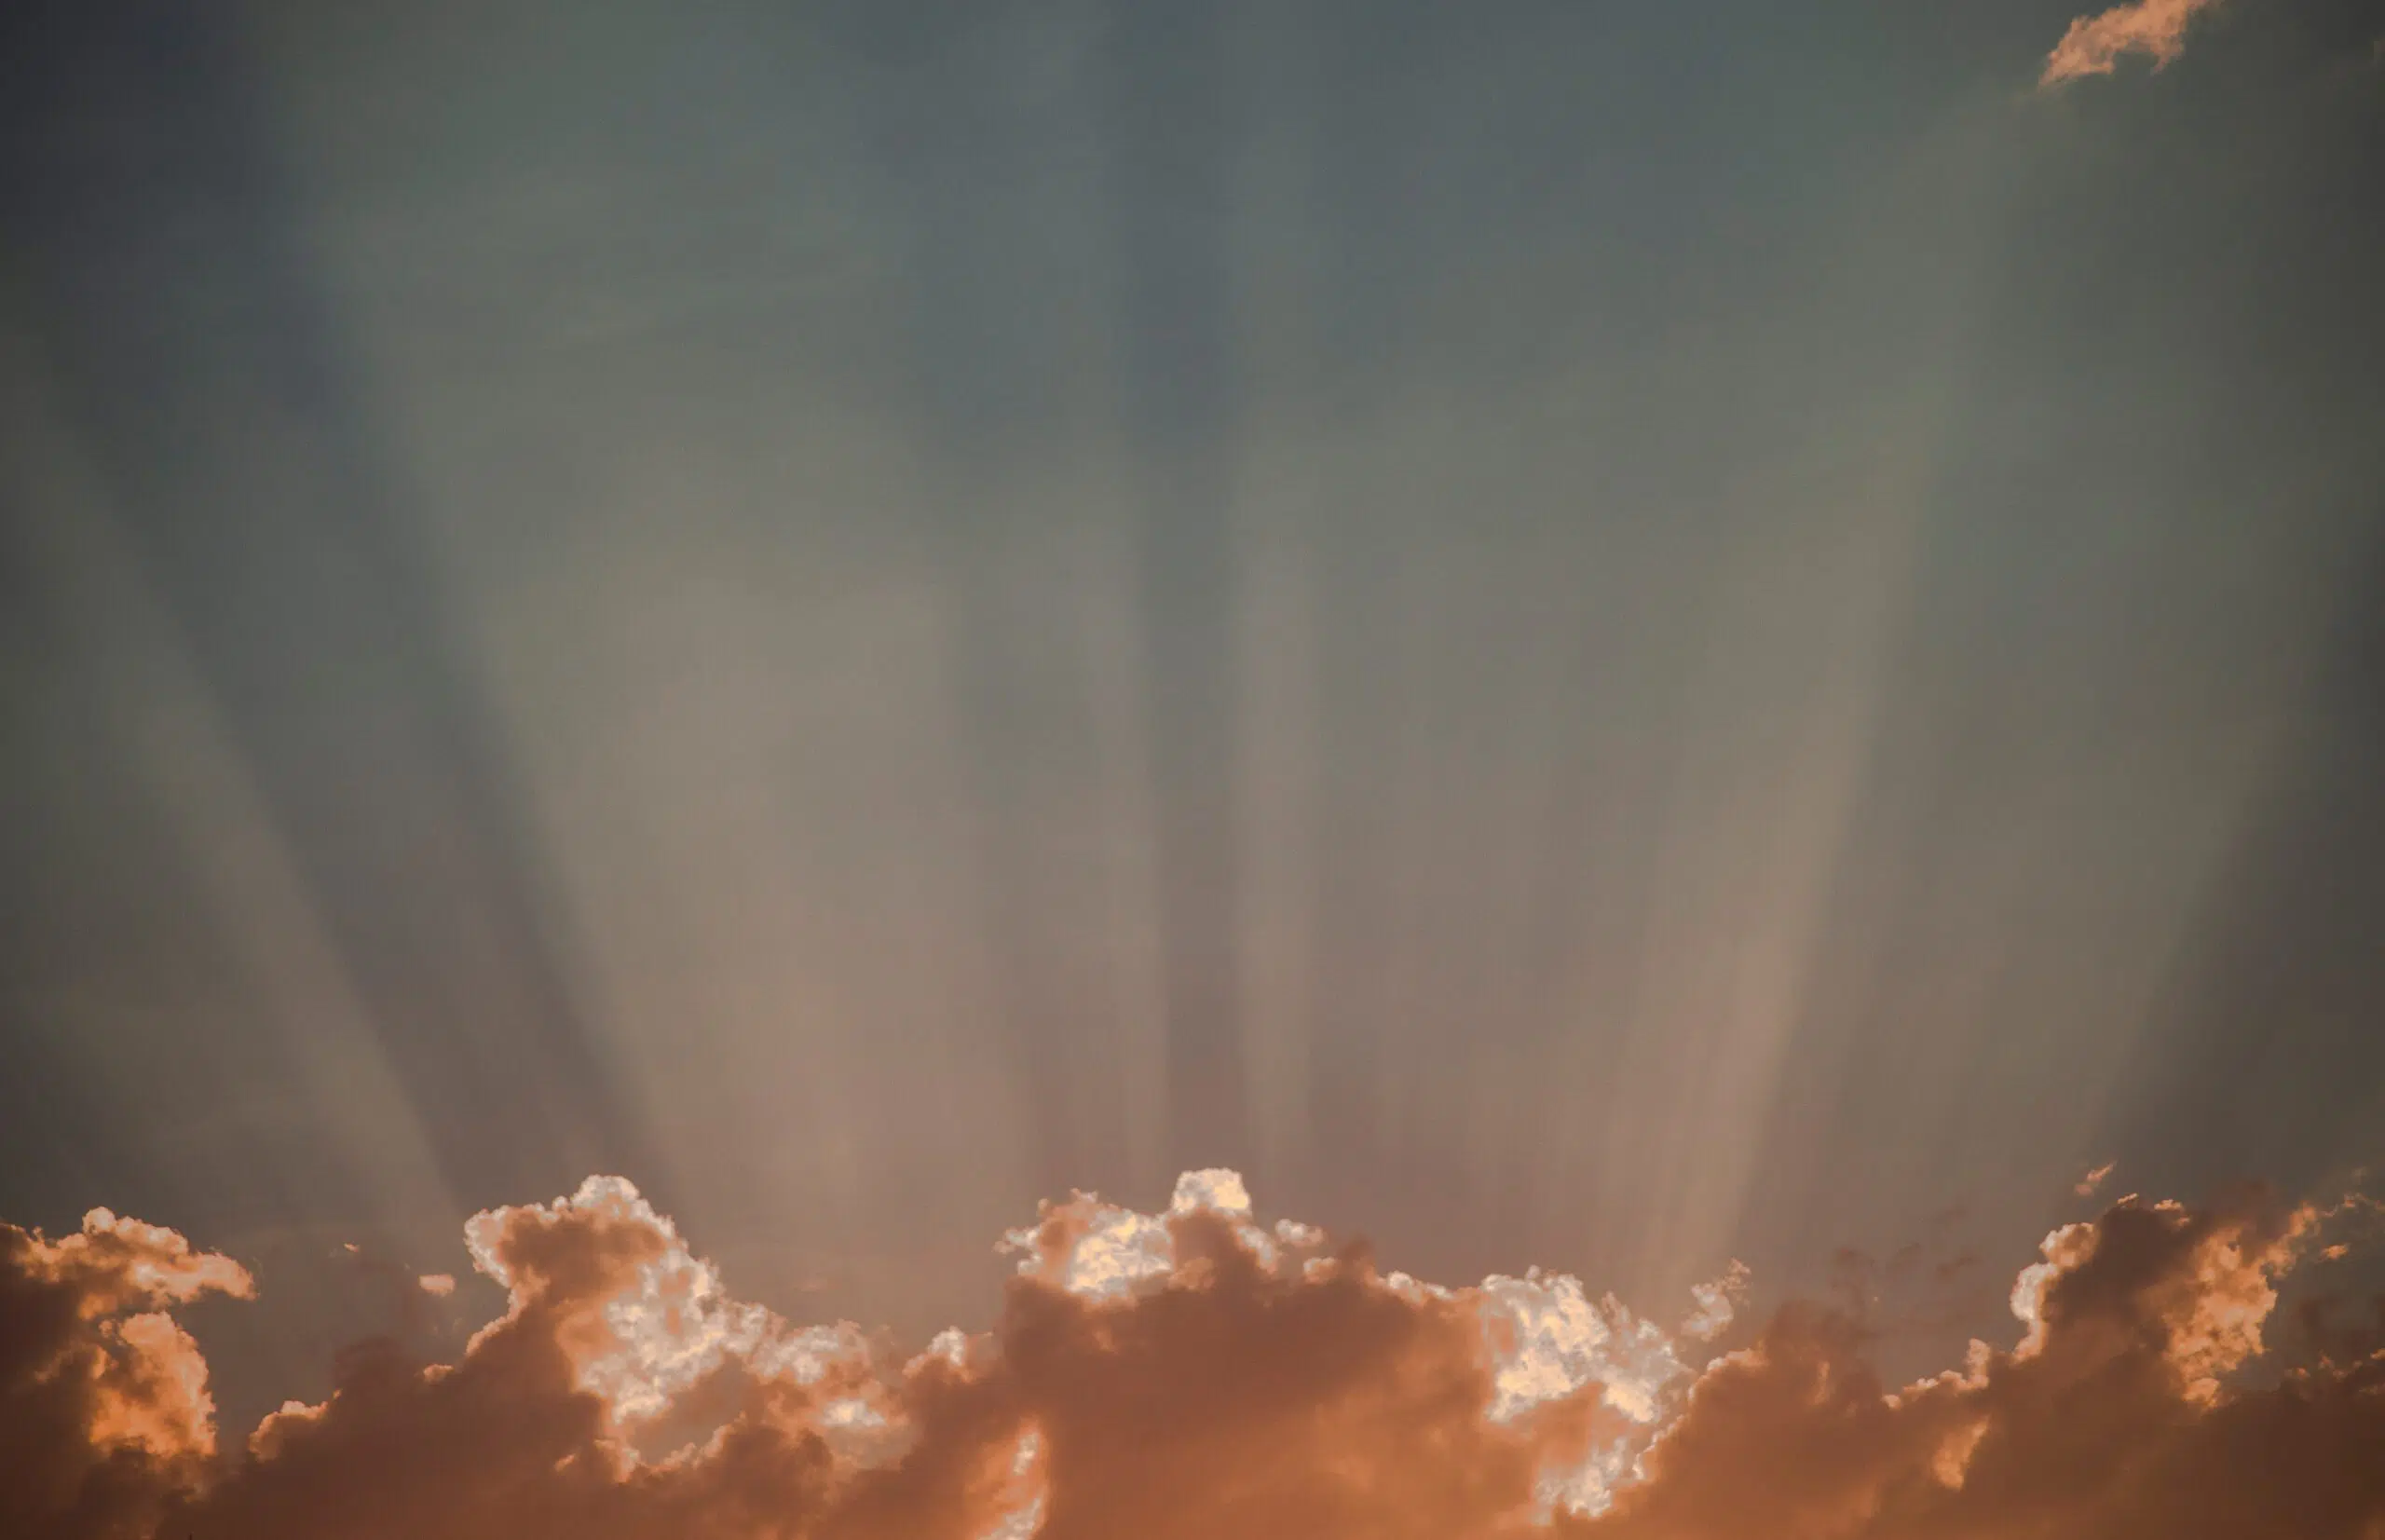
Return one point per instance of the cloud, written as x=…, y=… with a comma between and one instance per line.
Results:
x=2106, y=1420
x=1195, y=1373
x=1718, y=1303
x=2085, y=1186
x=2094, y=44
x=104, y=1411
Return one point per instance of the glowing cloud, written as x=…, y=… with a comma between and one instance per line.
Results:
x=1188, y=1373
x=2096, y=44
x=104, y=1411
x=1718, y=1304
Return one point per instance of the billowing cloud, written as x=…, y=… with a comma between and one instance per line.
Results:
x=1197, y=1372
x=2106, y=1420
x=104, y=1411
x=2096, y=44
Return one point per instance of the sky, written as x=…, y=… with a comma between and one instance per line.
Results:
x=1715, y=648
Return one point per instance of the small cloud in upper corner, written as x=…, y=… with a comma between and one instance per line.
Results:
x=2086, y=1185
x=2094, y=45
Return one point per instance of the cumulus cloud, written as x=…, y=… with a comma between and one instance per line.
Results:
x=1197, y=1372
x=2106, y=1420
x=104, y=1411
x=2096, y=44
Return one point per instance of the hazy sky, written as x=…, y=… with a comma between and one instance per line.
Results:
x=1606, y=636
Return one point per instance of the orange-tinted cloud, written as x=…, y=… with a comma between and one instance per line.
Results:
x=1194, y=1373
x=2105, y=1421
x=104, y=1412
x=2096, y=44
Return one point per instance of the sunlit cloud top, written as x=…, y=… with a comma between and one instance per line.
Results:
x=2094, y=45
x=1236, y=1379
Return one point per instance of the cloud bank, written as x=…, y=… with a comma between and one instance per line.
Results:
x=1195, y=1373
x=2096, y=44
